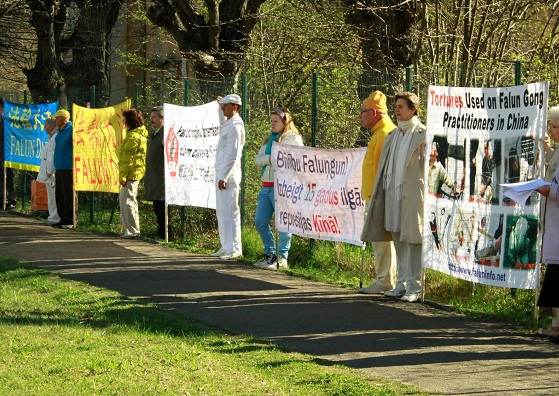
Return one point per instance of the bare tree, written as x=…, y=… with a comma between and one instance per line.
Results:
x=213, y=35
x=73, y=39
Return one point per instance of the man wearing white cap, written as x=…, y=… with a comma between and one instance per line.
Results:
x=63, y=167
x=228, y=175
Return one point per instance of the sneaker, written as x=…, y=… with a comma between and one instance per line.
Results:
x=282, y=262
x=375, y=288
x=67, y=226
x=270, y=260
x=397, y=292
x=230, y=256
x=219, y=253
x=411, y=297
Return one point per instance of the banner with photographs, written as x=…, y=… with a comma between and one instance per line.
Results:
x=318, y=192
x=479, y=139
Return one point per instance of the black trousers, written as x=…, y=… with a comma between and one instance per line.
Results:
x=159, y=209
x=64, y=190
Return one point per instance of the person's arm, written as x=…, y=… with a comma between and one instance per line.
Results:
x=262, y=159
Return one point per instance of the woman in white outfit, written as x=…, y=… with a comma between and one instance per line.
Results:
x=46, y=171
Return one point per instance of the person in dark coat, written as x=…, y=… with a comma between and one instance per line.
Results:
x=154, y=180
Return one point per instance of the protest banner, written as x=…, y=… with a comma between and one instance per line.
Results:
x=190, y=140
x=484, y=137
x=24, y=134
x=318, y=192
x=97, y=137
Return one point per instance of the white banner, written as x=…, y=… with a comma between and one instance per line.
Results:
x=318, y=192
x=191, y=135
x=484, y=137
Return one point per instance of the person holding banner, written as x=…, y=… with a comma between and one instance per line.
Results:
x=373, y=116
x=549, y=297
x=154, y=181
x=46, y=171
x=396, y=210
x=63, y=165
x=131, y=169
x=10, y=176
x=228, y=176
x=283, y=131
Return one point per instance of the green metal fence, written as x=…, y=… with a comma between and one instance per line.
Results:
x=325, y=109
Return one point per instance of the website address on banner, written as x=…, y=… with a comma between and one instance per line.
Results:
x=489, y=275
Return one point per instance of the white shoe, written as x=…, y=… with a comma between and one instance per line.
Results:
x=282, y=262
x=230, y=256
x=129, y=236
x=411, y=297
x=397, y=292
x=219, y=253
x=375, y=288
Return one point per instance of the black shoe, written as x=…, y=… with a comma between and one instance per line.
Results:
x=554, y=339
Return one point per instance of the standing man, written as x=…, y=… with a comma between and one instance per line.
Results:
x=154, y=180
x=63, y=167
x=10, y=183
x=228, y=175
x=373, y=116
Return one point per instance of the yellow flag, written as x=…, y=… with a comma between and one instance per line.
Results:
x=97, y=135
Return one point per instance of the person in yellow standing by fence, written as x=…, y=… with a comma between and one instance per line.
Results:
x=131, y=167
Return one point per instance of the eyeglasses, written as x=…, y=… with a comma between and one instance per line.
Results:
x=364, y=111
x=279, y=112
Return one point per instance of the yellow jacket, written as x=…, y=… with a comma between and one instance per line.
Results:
x=372, y=157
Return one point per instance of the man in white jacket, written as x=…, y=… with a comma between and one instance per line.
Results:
x=46, y=171
x=228, y=175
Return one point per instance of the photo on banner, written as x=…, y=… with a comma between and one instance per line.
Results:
x=24, y=134
x=479, y=139
x=98, y=134
x=190, y=142
x=318, y=192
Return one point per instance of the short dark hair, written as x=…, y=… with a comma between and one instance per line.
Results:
x=158, y=109
x=133, y=118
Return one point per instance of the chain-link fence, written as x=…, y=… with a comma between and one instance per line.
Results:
x=325, y=109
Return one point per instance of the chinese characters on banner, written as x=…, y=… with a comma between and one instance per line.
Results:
x=318, y=192
x=24, y=134
x=98, y=134
x=479, y=138
x=190, y=142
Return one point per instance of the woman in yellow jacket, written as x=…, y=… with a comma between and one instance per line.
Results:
x=131, y=169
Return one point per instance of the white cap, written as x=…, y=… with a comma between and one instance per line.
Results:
x=231, y=98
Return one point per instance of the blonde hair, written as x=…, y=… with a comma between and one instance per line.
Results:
x=286, y=116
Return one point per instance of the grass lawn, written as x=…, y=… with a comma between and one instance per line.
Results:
x=61, y=337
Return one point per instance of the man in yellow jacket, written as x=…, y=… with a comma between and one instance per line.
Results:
x=373, y=116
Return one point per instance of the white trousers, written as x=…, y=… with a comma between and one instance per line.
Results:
x=129, y=208
x=409, y=263
x=385, y=263
x=51, y=200
x=228, y=216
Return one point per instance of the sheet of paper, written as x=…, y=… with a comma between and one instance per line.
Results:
x=520, y=192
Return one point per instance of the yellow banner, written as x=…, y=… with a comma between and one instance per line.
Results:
x=97, y=135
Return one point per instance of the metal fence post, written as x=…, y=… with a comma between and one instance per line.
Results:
x=314, y=114
x=135, y=99
x=243, y=158
x=408, y=79
x=186, y=100
x=517, y=72
x=24, y=190
x=92, y=99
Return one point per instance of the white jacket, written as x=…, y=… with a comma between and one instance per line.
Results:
x=230, y=149
x=263, y=160
x=47, y=165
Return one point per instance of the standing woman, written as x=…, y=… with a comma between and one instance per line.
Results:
x=549, y=297
x=396, y=211
x=131, y=167
x=283, y=131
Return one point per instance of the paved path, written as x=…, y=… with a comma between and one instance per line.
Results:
x=412, y=343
